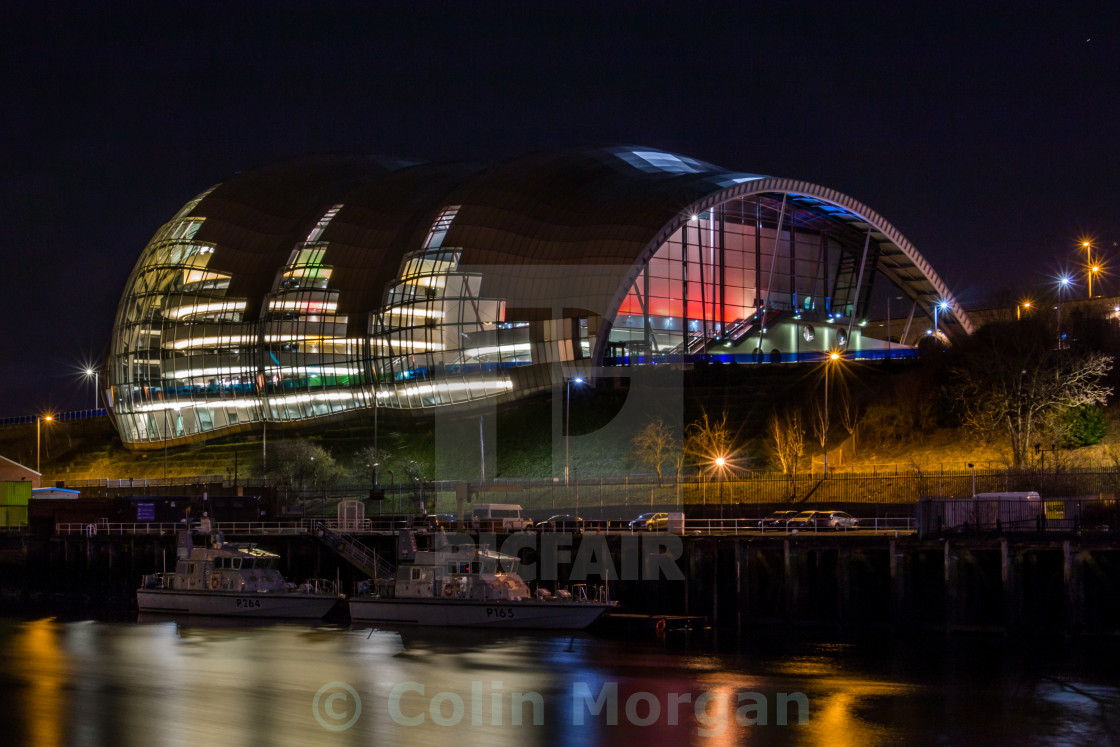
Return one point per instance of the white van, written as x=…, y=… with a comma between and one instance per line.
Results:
x=510, y=514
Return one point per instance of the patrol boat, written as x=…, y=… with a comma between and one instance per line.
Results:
x=232, y=579
x=467, y=586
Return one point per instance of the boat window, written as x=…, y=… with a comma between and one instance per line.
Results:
x=190, y=568
x=489, y=566
x=236, y=563
x=510, y=566
x=452, y=568
x=415, y=574
x=474, y=567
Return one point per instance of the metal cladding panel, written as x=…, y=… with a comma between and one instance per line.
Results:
x=256, y=218
x=15, y=493
x=378, y=224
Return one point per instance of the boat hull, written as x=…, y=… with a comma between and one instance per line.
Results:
x=477, y=613
x=293, y=605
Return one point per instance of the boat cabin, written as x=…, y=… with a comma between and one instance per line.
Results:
x=455, y=573
x=228, y=567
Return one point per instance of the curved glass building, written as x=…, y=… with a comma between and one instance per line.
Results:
x=323, y=287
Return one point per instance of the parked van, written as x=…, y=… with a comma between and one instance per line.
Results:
x=509, y=514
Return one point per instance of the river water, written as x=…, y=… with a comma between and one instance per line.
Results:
x=205, y=682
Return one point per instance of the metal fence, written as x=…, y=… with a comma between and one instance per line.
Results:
x=745, y=496
x=741, y=495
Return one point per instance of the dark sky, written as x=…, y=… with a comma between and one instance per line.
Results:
x=988, y=135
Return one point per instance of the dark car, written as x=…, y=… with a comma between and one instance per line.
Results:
x=651, y=522
x=776, y=520
x=561, y=523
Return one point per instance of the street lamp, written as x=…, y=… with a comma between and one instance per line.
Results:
x=941, y=305
x=89, y=372
x=1063, y=281
x=1020, y=307
x=832, y=358
x=568, y=422
x=720, y=464
x=1089, y=268
x=1092, y=271
x=39, y=440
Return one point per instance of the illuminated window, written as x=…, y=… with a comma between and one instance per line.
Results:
x=440, y=227
x=321, y=226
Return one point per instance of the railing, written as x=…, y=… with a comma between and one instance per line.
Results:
x=358, y=554
x=155, y=527
x=147, y=482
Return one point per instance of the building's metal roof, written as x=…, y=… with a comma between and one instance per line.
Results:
x=610, y=206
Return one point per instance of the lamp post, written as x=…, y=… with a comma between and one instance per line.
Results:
x=1020, y=307
x=720, y=464
x=568, y=422
x=89, y=372
x=1063, y=281
x=833, y=356
x=166, y=427
x=1089, y=268
x=941, y=305
x=39, y=440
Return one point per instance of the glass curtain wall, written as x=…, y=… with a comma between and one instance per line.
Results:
x=437, y=341
x=183, y=361
x=309, y=367
x=713, y=276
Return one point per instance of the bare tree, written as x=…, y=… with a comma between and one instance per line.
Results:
x=786, y=441
x=850, y=414
x=705, y=440
x=1013, y=380
x=655, y=444
x=818, y=419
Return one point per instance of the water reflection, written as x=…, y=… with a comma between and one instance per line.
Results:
x=166, y=681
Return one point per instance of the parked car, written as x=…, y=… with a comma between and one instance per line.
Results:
x=651, y=522
x=835, y=520
x=776, y=520
x=561, y=523
x=806, y=520
x=840, y=520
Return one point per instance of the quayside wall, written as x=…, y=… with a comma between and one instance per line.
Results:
x=1014, y=584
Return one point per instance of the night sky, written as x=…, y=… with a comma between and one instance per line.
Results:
x=987, y=135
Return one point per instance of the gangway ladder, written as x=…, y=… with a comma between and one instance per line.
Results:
x=357, y=554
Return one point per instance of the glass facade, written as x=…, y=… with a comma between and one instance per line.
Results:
x=742, y=265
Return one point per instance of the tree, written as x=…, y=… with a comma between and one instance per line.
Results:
x=850, y=415
x=818, y=418
x=414, y=471
x=296, y=464
x=1082, y=426
x=705, y=440
x=373, y=458
x=655, y=444
x=786, y=441
x=1011, y=379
